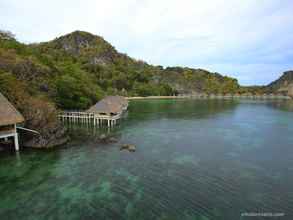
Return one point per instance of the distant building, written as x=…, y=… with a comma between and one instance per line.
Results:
x=9, y=118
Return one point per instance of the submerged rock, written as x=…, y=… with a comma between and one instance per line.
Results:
x=102, y=137
x=132, y=148
x=106, y=139
x=129, y=147
x=113, y=140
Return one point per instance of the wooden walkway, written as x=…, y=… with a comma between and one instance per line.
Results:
x=4, y=134
x=89, y=118
x=107, y=111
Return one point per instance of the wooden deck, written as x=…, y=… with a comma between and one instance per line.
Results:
x=7, y=133
x=4, y=134
x=90, y=118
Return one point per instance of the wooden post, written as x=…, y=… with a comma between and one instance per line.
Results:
x=16, y=139
x=16, y=142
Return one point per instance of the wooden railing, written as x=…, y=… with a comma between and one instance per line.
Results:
x=85, y=117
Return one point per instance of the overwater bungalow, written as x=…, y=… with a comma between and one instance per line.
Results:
x=108, y=110
x=9, y=118
x=106, y=107
x=118, y=99
x=110, y=105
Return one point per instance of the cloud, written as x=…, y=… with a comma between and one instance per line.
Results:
x=246, y=39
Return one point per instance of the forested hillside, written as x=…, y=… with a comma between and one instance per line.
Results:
x=282, y=83
x=76, y=70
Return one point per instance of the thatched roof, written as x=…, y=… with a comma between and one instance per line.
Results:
x=8, y=114
x=117, y=99
x=108, y=105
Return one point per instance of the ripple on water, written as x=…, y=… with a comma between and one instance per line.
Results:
x=196, y=160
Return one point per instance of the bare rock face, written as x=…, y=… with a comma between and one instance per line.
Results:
x=54, y=138
x=290, y=90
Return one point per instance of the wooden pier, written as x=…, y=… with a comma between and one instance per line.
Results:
x=107, y=112
x=89, y=118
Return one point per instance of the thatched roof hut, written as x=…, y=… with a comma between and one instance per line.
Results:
x=8, y=114
x=118, y=99
x=110, y=105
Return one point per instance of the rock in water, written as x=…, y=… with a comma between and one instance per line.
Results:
x=113, y=140
x=124, y=146
x=102, y=137
x=56, y=137
x=129, y=147
x=132, y=148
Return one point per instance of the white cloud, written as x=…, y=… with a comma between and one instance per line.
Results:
x=244, y=35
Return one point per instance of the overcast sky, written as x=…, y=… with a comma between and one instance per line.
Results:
x=251, y=40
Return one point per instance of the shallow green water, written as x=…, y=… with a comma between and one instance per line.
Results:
x=195, y=160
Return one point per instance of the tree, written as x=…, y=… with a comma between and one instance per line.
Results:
x=6, y=35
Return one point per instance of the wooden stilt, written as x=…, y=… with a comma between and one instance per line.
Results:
x=90, y=119
x=16, y=142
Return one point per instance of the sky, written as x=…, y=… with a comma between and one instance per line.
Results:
x=250, y=40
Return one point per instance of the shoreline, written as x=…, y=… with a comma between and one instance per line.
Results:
x=257, y=97
x=155, y=97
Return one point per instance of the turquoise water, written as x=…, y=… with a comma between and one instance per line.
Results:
x=195, y=160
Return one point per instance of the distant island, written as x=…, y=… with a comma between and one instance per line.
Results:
x=76, y=70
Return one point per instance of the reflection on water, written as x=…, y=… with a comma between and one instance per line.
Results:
x=199, y=160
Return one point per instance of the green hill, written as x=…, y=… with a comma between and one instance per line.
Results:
x=282, y=83
x=77, y=69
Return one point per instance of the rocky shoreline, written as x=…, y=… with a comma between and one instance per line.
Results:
x=55, y=138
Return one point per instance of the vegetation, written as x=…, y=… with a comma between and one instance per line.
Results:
x=40, y=114
x=187, y=81
x=285, y=81
x=76, y=70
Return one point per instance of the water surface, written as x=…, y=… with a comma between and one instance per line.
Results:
x=195, y=160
